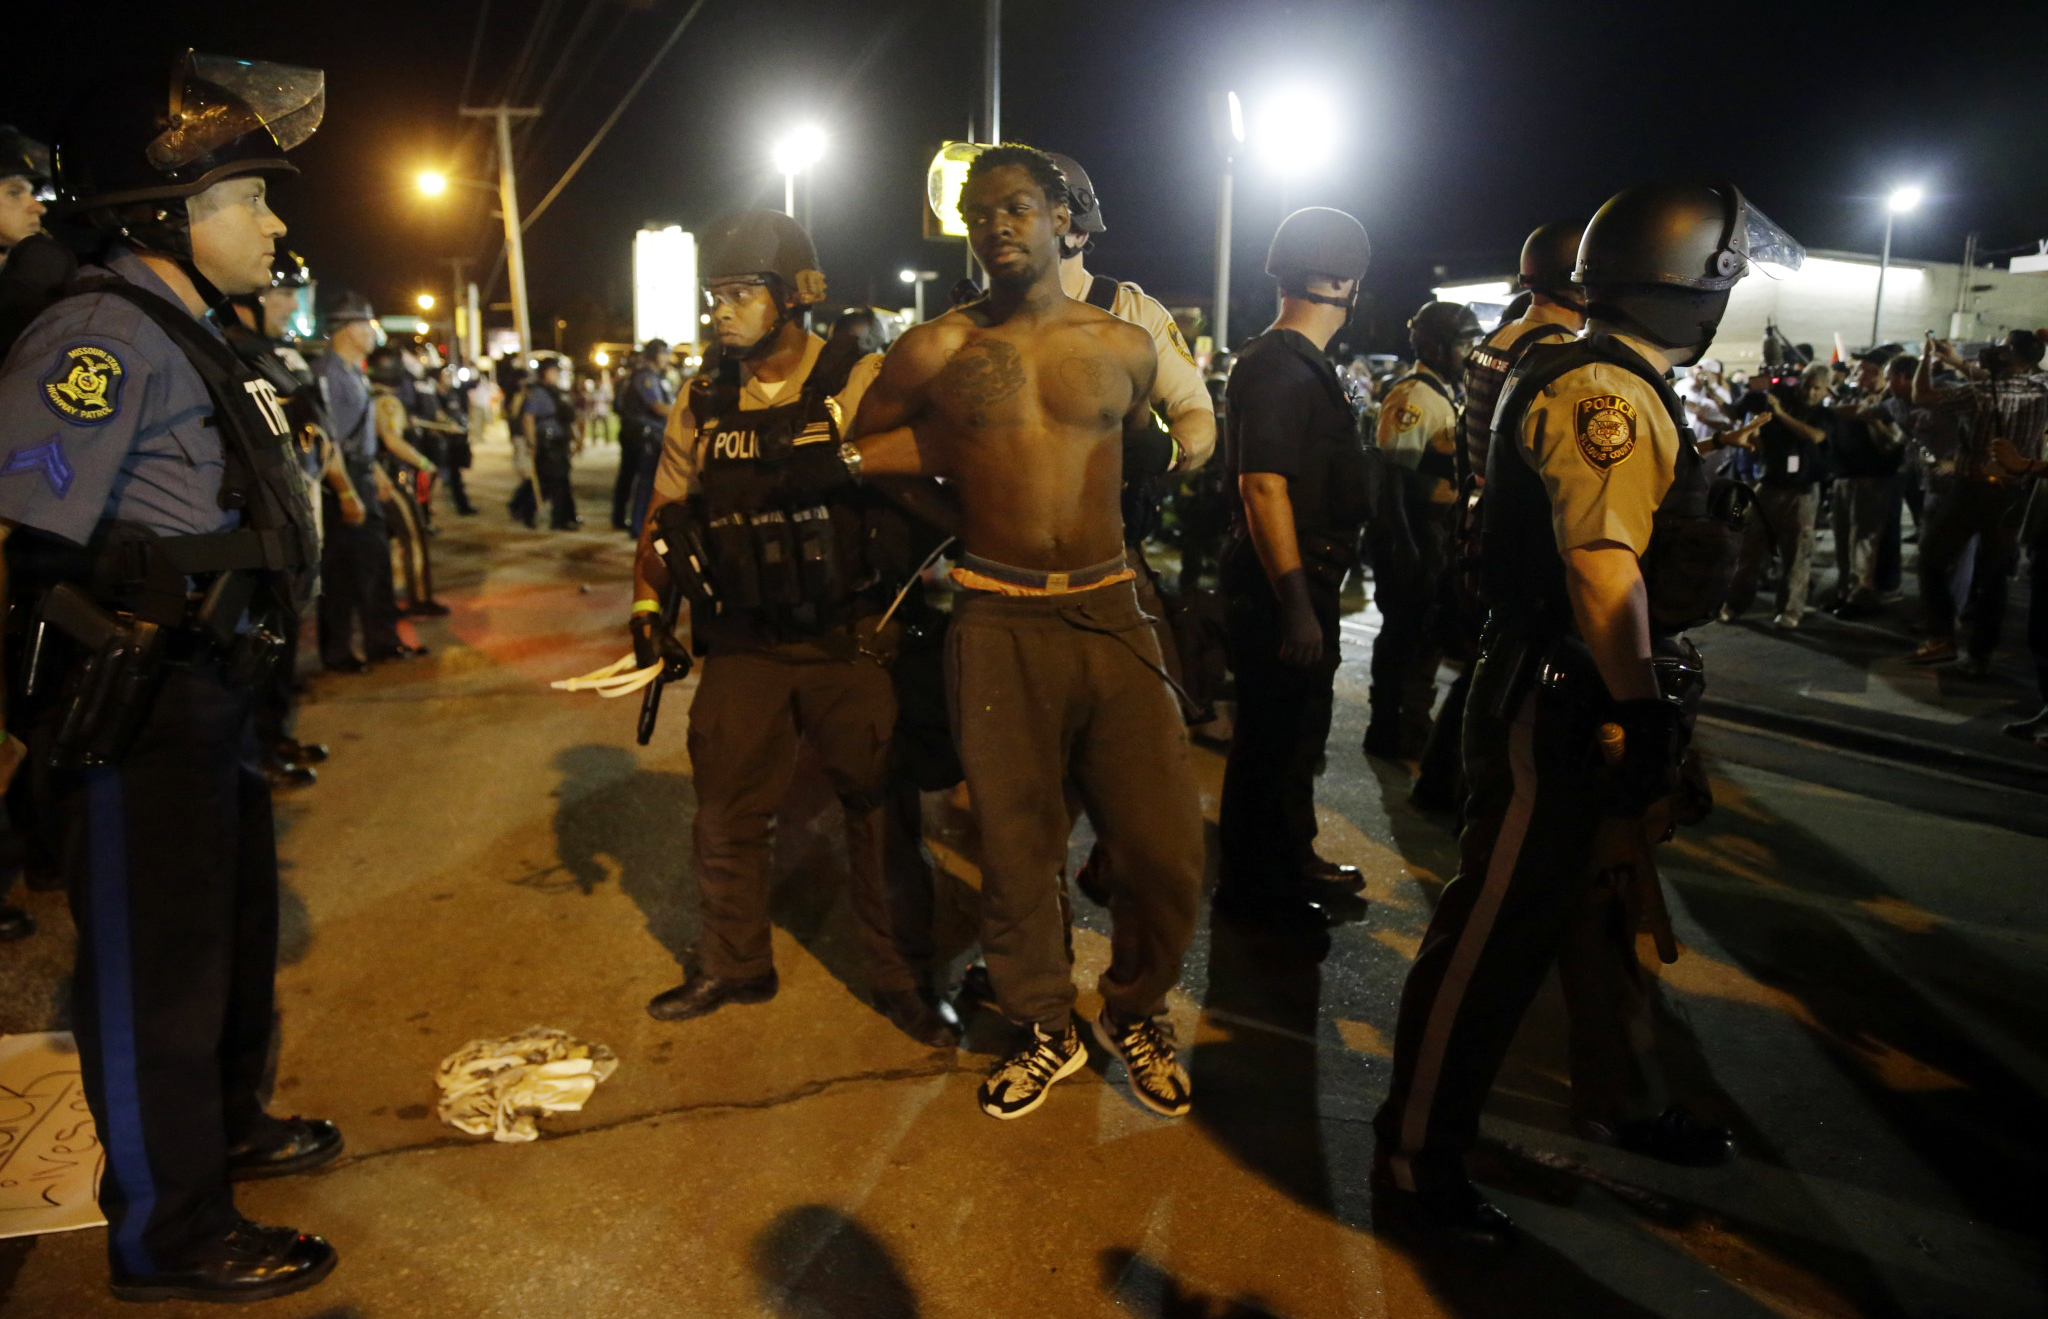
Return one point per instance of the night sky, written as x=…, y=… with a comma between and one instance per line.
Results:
x=1462, y=124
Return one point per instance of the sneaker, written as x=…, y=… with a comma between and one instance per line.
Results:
x=1934, y=650
x=1146, y=1047
x=1785, y=622
x=1019, y=1082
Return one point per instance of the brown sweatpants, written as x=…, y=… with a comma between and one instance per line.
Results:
x=749, y=711
x=1057, y=688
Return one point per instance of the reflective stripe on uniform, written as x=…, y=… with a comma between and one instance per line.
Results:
x=1450, y=994
x=113, y=964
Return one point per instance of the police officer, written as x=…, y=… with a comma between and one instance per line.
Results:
x=644, y=405
x=786, y=622
x=162, y=541
x=549, y=421
x=356, y=588
x=24, y=176
x=1418, y=440
x=1295, y=472
x=1552, y=308
x=404, y=465
x=1602, y=541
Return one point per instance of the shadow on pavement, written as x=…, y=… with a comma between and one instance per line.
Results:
x=814, y=1262
x=1145, y=1288
x=619, y=821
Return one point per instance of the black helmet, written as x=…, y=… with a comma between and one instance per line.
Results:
x=350, y=306
x=1549, y=256
x=1662, y=257
x=764, y=243
x=148, y=138
x=1436, y=328
x=385, y=366
x=22, y=157
x=1082, y=203
x=1317, y=240
x=288, y=270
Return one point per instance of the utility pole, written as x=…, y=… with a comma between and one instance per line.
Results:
x=508, y=207
x=992, y=69
x=459, y=313
x=1960, y=318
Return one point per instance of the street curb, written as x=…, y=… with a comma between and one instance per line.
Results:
x=1912, y=750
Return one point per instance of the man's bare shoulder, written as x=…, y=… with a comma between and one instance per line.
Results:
x=923, y=349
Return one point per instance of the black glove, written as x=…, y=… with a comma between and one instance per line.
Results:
x=814, y=471
x=1646, y=771
x=1147, y=452
x=654, y=641
x=1301, y=633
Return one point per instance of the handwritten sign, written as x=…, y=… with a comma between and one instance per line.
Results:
x=50, y=1155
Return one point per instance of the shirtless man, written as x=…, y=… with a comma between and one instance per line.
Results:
x=1021, y=402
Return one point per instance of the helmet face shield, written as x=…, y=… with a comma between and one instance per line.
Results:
x=1762, y=242
x=218, y=105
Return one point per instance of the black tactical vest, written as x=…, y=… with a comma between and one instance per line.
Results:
x=789, y=569
x=1696, y=534
x=1486, y=371
x=263, y=482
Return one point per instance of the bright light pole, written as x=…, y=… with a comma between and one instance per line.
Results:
x=508, y=206
x=1296, y=132
x=916, y=279
x=793, y=153
x=1229, y=140
x=1901, y=200
x=426, y=301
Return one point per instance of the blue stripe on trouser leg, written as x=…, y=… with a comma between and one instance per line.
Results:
x=127, y=1150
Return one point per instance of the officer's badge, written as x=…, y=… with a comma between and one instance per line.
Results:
x=84, y=387
x=1408, y=418
x=1606, y=428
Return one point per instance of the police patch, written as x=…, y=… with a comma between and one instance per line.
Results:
x=84, y=387
x=1408, y=418
x=1173, y=336
x=1606, y=428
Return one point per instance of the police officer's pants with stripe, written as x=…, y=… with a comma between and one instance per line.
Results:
x=172, y=867
x=1523, y=899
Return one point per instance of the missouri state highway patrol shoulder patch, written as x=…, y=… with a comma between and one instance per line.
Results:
x=1605, y=425
x=84, y=386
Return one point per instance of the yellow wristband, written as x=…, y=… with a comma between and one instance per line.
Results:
x=647, y=606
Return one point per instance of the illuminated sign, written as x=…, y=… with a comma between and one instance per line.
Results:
x=665, y=302
x=943, y=182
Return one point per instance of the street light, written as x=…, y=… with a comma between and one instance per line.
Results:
x=433, y=182
x=426, y=301
x=1229, y=127
x=1902, y=200
x=793, y=153
x=916, y=279
x=1295, y=130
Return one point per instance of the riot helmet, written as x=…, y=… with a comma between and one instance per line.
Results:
x=1443, y=334
x=350, y=306
x=1660, y=258
x=386, y=367
x=22, y=157
x=1548, y=258
x=769, y=248
x=1318, y=240
x=1083, y=205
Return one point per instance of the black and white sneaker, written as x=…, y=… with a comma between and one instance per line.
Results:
x=1146, y=1047
x=1019, y=1082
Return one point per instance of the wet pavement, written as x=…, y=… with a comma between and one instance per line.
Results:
x=1862, y=995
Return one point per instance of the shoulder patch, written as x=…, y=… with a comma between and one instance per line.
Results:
x=84, y=385
x=1408, y=418
x=1605, y=425
x=1180, y=345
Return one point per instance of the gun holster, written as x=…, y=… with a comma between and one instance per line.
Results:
x=111, y=686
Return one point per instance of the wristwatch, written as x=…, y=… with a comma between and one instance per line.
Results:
x=849, y=453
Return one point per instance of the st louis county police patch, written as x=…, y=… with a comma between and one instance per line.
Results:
x=1408, y=418
x=1606, y=427
x=84, y=387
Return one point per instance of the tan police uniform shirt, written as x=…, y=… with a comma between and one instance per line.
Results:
x=1416, y=419
x=682, y=449
x=1178, y=391
x=1607, y=452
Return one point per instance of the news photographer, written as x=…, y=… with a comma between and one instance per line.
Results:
x=1791, y=445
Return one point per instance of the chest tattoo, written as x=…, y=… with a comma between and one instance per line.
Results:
x=983, y=376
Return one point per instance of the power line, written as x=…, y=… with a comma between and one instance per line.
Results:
x=612, y=119
x=476, y=46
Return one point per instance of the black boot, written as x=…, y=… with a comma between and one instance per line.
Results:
x=251, y=1262
x=282, y=1147
x=701, y=994
x=1673, y=1136
x=924, y=1018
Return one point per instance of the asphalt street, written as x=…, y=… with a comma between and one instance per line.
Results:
x=1862, y=994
